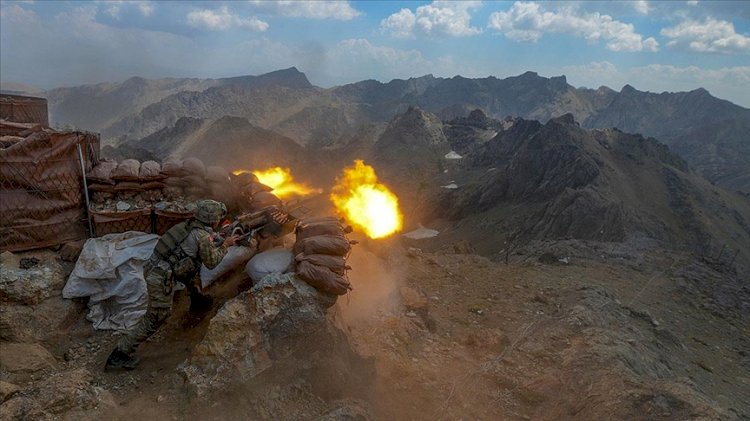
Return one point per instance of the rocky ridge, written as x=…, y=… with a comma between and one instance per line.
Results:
x=286, y=102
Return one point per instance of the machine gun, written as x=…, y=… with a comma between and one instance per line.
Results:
x=270, y=221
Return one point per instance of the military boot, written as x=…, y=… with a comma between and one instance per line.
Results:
x=119, y=360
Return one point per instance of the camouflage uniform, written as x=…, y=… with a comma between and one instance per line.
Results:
x=160, y=285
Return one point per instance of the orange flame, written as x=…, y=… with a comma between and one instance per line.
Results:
x=366, y=204
x=281, y=181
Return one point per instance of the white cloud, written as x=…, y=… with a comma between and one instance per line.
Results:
x=363, y=49
x=732, y=83
x=72, y=48
x=529, y=22
x=352, y=60
x=223, y=19
x=17, y=14
x=440, y=17
x=709, y=36
x=339, y=10
x=114, y=7
x=642, y=7
x=400, y=24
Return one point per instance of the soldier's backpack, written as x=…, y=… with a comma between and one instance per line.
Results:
x=169, y=248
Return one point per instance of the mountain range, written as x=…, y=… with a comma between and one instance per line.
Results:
x=709, y=133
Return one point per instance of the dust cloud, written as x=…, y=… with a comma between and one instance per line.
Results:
x=375, y=285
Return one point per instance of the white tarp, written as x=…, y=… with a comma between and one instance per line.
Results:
x=110, y=272
x=453, y=155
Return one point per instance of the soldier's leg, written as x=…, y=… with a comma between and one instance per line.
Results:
x=159, y=307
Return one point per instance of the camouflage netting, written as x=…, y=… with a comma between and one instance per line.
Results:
x=24, y=109
x=42, y=200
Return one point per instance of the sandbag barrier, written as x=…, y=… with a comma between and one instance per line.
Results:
x=320, y=251
x=41, y=185
x=174, y=182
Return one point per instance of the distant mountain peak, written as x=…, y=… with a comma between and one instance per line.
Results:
x=628, y=89
x=700, y=92
x=290, y=77
x=478, y=115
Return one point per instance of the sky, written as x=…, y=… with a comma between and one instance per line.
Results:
x=651, y=45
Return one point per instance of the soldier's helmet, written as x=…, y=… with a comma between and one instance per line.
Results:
x=210, y=212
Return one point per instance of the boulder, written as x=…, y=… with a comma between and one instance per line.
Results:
x=7, y=390
x=62, y=392
x=71, y=250
x=39, y=323
x=24, y=358
x=9, y=260
x=278, y=329
x=30, y=286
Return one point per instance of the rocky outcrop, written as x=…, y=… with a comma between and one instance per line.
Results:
x=411, y=150
x=558, y=180
x=24, y=358
x=37, y=323
x=42, y=277
x=66, y=392
x=276, y=332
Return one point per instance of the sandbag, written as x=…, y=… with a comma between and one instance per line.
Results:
x=194, y=166
x=150, y=171
x=128, y=186
x=194, y=181
x=336, y=245
x=172, y=167
x=276, y=260
x=174, y=181
x=102, y=172
x=336, y=264
x=153, y=185
x=217, y=174
x=222, y=192
x=105, y=188
x=127, y=170
x=254, y=188
x=194, y=192
x=321, y=228
x=236, y=255
x=265, y=199
x=322, y=279
x=244, y=179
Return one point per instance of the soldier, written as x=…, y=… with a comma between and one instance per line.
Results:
x=177, y=257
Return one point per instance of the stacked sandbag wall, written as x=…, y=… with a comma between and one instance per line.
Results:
x=255, y=196
x=320, y=253
x=125, y=194
x=122, y=195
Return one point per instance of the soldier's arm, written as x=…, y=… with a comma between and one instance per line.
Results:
x=210, y=254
